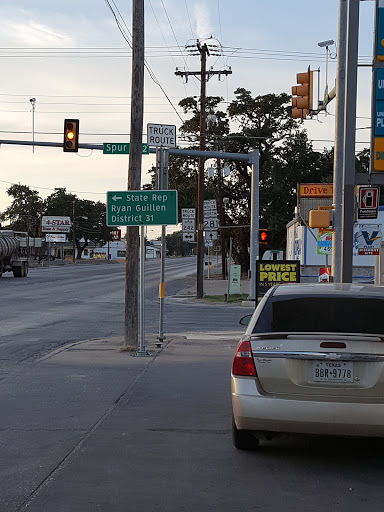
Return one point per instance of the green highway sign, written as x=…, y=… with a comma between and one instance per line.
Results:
x=142, y=208
x=121, y=148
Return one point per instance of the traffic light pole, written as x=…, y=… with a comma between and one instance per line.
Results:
x=353, y=7
x=162, y=184
x=336, y=265
x=254, y=238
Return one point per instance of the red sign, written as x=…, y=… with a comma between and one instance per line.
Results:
x=324, y=273
x=368, y=197
x=116, y=235
x=368, y=202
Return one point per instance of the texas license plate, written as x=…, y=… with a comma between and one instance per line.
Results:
x=332, y=371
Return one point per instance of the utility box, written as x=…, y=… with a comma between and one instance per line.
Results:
x=319, y=219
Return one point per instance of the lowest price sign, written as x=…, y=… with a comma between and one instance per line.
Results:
x=269, y=273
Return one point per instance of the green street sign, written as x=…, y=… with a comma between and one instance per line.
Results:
x=142, y=207
x=121, y=148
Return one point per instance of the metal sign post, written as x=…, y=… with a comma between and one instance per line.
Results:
x=142, y=351
x=142, y=208
x=162, y=181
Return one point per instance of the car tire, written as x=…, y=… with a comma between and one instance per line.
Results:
x=243, y=439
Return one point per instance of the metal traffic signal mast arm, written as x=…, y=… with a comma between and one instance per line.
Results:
x=330, y=96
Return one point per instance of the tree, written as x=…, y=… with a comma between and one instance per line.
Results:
x=24, y=214
x=88, y=218
x=176, y=246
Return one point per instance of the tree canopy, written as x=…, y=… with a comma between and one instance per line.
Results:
x=286, y=154
x=28, y=208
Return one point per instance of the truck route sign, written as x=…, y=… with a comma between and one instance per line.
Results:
x=142, y=208
x=161, y=135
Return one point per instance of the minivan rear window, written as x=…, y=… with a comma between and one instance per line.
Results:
x=325, y=314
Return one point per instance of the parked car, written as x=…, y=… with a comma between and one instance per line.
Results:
x=311, y=361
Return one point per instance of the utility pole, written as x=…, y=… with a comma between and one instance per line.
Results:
x=131, y=323
x=204, y=50
x=200, y=181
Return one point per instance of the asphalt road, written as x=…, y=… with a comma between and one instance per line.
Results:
x=90, y=429
x=58, y=305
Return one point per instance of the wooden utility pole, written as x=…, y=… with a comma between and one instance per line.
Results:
x=204, y=77
x=131, y=323
x=200, y=182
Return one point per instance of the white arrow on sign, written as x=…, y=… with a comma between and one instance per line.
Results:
x=115, y=197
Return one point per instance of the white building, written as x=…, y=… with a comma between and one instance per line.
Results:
x=116, y=250
x=303, y=242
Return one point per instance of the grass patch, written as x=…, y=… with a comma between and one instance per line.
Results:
x=237, y=297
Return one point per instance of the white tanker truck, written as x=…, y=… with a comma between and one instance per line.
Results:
x=11, y=259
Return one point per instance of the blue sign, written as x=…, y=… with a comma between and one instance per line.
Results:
x=379, y=119
x=380, y=84
x=379, y=105
x=380, y=32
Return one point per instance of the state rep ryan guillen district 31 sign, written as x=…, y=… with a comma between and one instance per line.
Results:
x=269, y=273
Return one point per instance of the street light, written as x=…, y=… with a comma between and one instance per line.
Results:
x=326, y=45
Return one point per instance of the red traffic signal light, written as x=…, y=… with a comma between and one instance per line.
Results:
x=302, y=95
x=263, y=235
x=71, y=135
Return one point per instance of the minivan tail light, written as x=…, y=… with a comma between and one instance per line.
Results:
x=243, y=364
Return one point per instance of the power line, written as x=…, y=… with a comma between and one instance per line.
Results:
x=161, y=31
x=148, y=68
x=189, y=18
x=40, y=112
x=174, y=35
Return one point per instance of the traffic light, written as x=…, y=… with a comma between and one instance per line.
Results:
x=71, y=135
x=302, y=95
x=263, y=236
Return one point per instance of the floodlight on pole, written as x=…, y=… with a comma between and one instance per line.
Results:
x=326, y=45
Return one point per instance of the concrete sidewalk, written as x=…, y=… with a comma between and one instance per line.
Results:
x=50, y=410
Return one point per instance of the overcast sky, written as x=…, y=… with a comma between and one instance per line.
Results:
x=71, y=57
